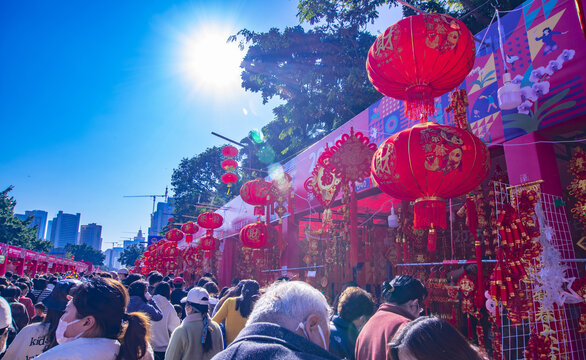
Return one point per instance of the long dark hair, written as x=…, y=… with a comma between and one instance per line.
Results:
x=52, y=321
x=203, y=310
x=250, y=291
x=106, y=300
x=432, y=338
x=403, y=288
x=138, y=288
x=234, y=291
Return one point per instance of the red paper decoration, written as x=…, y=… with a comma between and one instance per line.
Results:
x=229, y=151
x=436, y=162
x=419, y=58
x=189, y=228
x=256, y=193
x=210, y=220
x=174, y=235
x=229, y=165
x=255, y=236
x=229, y=179
x=324, y=184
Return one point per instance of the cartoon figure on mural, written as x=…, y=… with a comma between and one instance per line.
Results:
x=547, y=39
x=491, y=101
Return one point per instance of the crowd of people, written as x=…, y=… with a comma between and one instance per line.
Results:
x=125, y=316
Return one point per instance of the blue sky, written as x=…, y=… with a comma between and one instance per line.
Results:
x=100, y=99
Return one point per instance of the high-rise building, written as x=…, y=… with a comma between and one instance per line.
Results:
x=91, y=235
x=112, y=256
x=64, y=229
x=23, y=217
x=49, y=228
x=161, y=216
x=39, y=220
x=138, y=240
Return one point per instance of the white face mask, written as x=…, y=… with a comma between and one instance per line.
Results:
x=321, y=333
x=60, y=332
x=148, y=296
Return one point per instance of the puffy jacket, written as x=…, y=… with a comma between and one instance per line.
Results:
x=149, y=308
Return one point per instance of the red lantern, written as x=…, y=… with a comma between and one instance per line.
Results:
x=171, y=220
x=256, y=192
x=189, y=228
x=147, y=254
x=427, y=164
x=174, y=235
x=207, y=243
x=210, y=220
x=229, y=179
x=229, y=151
x=255, y=236
x=419, y=58
x=229, y=165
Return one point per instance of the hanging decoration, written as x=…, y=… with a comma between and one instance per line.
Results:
x=437, y=162
x=229, y=179
x=229, y=165
x=257, y=193
x=577, y=187
x=189, y=228
x=419, y=58
x=281, y=192
x=210, y=221
x=467, y=287
x=174, y=235
x=458, y=105
x=255, y=236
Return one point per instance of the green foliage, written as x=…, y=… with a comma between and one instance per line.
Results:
x=14, y=231
x=86, y=253
x=130, y=254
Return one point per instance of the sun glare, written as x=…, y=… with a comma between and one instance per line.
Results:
x=209, y=62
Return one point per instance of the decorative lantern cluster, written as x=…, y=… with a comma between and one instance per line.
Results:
x=419, y=58
x=229, y=165
x=209, y=221
x=162, y=256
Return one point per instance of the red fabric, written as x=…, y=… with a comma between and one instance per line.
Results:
x=372, y=343
x=430, y=162
x=419, y=58
x=28, y=304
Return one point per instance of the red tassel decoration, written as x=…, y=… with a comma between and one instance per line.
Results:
x=432, y=240
x=429, y=213
x=469, y=327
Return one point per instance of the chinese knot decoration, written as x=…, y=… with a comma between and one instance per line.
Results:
x=229, y=165
x=189, y=228
x=256, y=193
x=429, y=163
x=419, y=58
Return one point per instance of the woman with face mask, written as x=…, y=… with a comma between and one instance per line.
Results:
x=141, y=300
x=403, y=296
x=95, y=326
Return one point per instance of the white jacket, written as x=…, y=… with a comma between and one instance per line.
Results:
x=28, y=343
x=161, y=330
x=87, y=349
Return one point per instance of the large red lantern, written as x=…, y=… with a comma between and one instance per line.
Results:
x=229, y=151
x=229, y=164
x=207, y=243
x=255, y=236
x=210, y=220
x=256, y=193
x=428, y=164
x=174, y=235
x=419, y=58
x=189, y=228
x=229, y=179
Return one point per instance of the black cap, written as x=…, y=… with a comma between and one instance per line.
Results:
x=57, y=300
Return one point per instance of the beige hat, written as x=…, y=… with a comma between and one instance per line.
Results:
x=197, y=295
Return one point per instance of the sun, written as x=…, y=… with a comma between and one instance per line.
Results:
x=209, y=62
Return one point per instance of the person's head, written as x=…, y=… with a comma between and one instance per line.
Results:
x=55, y=304
x=430, y=338
x=204, y=280
x=122, y=274
x=406, y=292
x=8, y=275
x=155, y=279
x=139, y=288
x=131, y=278
x=11, y=293
x=296, y=306
x=40, y=309
x=5, y=322
x=235, y=281
x=98, y=310
x=197, y=302
x=249, y=295
x=23, y=288
x=546, y=31
x=40, y=284
x=178, y=283
x=163, y=289
x=211, y=288
x=356, y=306
x=3, y=281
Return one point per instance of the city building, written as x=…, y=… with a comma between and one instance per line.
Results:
x=112, y=256
x=64, y=229
x=138, y=240
x=161, y=216
x=91, y=235
x=49, y=227
x=39, y=220
x=21, y=217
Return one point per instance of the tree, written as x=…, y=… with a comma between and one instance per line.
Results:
x=197, y=180
x=86, y=253
x=130, y=254
x=14, y=231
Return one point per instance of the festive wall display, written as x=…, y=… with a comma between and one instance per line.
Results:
x=577, y=187
x=419, y=58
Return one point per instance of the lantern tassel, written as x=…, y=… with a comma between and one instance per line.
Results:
x=430, y=212
x=432, y=240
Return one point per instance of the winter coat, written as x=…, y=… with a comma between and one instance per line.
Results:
x=377, y=333
x=232, y=319
x=161, y=330
x=88, y=349
x=186, y=343
x=28, y=343
x=343, y=336
x=149, y=308
x=266, y=341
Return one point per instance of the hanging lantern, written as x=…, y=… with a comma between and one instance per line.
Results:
x=419, y=58
x=171, y=220
x=255, y=236
x=174, y=235
x=210, y=220
x=229, y=165
x=189, y=228
x=229, y=179
x=436, y=162
x=509, y=94
x=207, y=243
x=229, y=151
x=256, y=193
